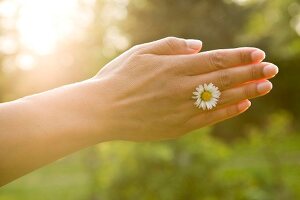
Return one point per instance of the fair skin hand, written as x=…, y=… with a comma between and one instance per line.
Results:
x=142, y=95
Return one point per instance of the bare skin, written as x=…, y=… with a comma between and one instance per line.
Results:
x=142, y=95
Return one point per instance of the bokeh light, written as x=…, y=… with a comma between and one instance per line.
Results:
x=37, y=27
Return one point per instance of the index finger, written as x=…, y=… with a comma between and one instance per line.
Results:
x=210, y=61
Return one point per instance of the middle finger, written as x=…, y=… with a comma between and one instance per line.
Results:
x=232, y=77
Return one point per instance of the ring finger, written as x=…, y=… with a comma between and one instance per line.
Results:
x=233, y=95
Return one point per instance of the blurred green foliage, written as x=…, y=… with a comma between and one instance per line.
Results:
x=262, y=166
x=255, y=156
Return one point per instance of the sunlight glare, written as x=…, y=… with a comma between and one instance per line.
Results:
x=25, y=62
x=42, y=24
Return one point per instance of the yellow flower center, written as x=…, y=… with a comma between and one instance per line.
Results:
x=206, y=96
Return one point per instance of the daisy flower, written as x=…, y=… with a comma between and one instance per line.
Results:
x=206, y=96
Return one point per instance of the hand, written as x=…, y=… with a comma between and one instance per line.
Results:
x=144, y=94
x=147, y=90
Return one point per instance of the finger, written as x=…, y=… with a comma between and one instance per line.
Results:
x=216, y=60
x=248, y=91
x=218, y=115
x=230, y=96
x=232, y=77
x=170, y=46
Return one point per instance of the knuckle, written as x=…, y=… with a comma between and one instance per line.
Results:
x=171, y=39
x=249, y=92
x=171, y=42
x=224, y=79
x=216, y=60
x=137, y=48
x=135, y=58
x=244, y=57
x=255, y=72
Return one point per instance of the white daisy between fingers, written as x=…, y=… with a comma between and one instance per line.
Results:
x=207, y=96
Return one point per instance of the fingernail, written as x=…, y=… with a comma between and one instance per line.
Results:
x=270, y=70
x=194, y=44
x=258, y=55
x=264, y=87
x=244, y=105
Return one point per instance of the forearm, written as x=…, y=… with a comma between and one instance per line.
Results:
x=39, y=129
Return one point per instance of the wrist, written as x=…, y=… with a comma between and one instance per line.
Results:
x=48, y=126
x=70, y=113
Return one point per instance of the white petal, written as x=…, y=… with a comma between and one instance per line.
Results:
x=208, y=105
x=199, y=88
x=217, y=94
x=203, y=106
x=214, y=100
x=206, y=86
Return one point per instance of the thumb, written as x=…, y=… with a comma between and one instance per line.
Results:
x=172, y=46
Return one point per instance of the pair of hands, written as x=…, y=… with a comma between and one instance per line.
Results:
x=145, y=93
